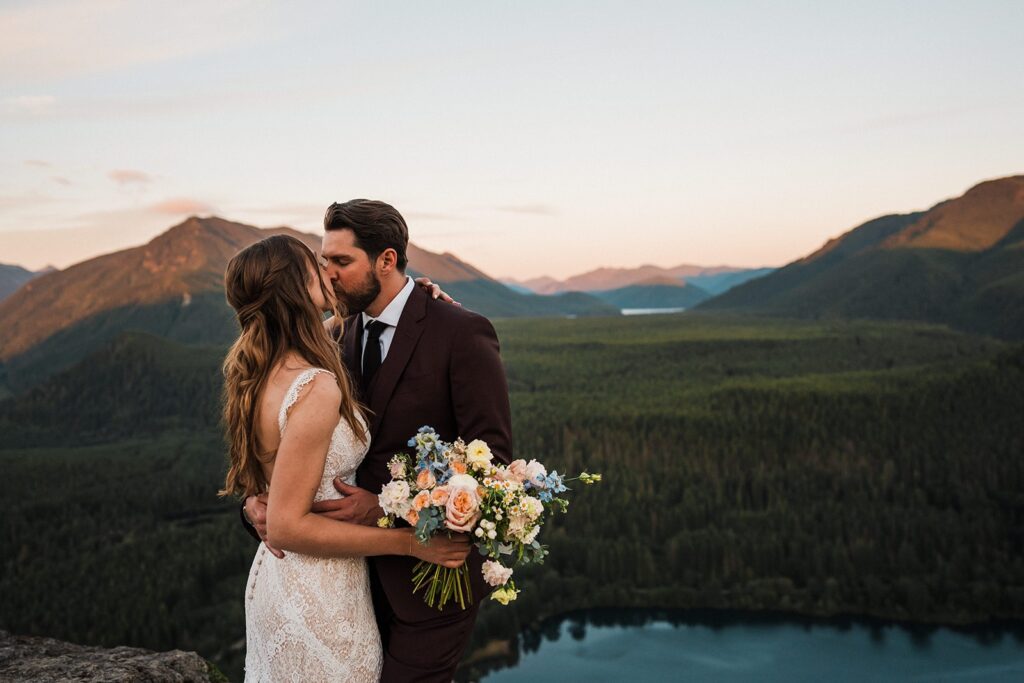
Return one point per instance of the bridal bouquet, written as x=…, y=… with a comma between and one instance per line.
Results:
x=457, y=487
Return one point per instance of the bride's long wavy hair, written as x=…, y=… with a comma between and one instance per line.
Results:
x=267, y=285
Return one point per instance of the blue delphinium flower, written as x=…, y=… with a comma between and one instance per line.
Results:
x=442, y=473
x=554, y=482
x=426, y=442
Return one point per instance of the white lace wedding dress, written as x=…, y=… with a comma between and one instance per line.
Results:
x=310, y=618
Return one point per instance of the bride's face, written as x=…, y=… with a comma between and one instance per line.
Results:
x=318, y=285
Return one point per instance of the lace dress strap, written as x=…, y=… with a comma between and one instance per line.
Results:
x=304, y=378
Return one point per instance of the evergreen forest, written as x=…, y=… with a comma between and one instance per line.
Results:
x=819, y=467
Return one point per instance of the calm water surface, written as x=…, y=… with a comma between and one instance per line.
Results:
x=589, y=648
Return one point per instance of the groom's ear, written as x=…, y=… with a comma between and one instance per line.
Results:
x=388, y=261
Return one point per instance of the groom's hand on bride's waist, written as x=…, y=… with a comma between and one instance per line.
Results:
x=359, y=506
x=255, y=509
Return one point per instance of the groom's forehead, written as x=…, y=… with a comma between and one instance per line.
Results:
x=337, y=242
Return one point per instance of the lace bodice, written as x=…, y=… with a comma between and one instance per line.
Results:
x=346, y=450
x=310, y=618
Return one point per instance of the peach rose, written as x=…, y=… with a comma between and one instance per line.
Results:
x=425, y=479
x=459, y=467
x=462, y=509
x=412, y=516
x=439, y=496
x=421, y=500
x=516, y=471
x=535, y=473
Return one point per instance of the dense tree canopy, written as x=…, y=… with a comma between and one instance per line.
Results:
x=819, y=468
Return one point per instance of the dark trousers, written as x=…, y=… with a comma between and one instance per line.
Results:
x=422, y=651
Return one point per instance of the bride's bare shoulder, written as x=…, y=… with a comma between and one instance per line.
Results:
x=322, y=388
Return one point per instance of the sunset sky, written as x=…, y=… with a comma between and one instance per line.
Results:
x=528, y=138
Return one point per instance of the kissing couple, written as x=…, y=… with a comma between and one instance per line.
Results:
x=314, y=409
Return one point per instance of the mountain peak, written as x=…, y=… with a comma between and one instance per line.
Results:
x=209, y=226
x=959, y=264
x=975, y=221
x=196, y=242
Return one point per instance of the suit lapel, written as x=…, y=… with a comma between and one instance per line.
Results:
x=407, y=334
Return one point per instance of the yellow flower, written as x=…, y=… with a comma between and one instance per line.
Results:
x=504, y=595
x=478, y=454
x=385, y=523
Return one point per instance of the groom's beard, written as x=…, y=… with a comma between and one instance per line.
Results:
x=358, y=299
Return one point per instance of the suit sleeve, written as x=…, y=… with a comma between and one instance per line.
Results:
x=246, y=525
x=479, y=388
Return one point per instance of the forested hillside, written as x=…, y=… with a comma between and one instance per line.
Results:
x=862, y=468
x=961, y=263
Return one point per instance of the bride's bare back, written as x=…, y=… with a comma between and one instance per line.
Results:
x=268, y=436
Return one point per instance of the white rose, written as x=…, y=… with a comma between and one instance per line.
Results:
x=516, y=525
x=532, y=507
x=462, y=481
x=535, y=473
x=532, y=535
x=397, y=469
x=394, y=498
x=478, y=454
x=495, y=573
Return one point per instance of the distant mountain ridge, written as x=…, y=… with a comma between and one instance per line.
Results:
x=172, y=287
x=606, y=279
x=646, y=286
x=654, y=293
x=960, y=263
x=12, y=277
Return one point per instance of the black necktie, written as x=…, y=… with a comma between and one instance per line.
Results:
x=371, y=353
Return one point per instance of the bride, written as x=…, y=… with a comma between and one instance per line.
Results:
x=293, y=425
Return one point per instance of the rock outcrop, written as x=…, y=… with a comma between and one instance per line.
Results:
x=31, y=658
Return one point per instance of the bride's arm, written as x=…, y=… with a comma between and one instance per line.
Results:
x=298, y=469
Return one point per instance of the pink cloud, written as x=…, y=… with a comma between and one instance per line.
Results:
x=181, y=205
x=36, y=163
x=127, y=176
x=60, y=180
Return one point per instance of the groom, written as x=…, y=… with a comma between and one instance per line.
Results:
x=415, y=361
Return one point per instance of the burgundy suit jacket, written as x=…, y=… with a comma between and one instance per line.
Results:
x=442, y=369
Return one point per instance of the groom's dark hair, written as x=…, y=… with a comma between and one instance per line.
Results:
x=376, y=225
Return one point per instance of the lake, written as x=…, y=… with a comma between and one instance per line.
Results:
x=634, y=645
x=650, y=311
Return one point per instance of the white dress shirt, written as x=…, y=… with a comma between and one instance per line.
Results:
x=390, y=315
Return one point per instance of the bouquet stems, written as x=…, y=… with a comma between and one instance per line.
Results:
x=442, y=585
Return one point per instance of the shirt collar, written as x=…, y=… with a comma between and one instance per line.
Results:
x=393, y=311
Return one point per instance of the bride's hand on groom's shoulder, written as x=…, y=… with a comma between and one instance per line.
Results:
x=256, y=513
x=359, y=506
x=435, y=290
